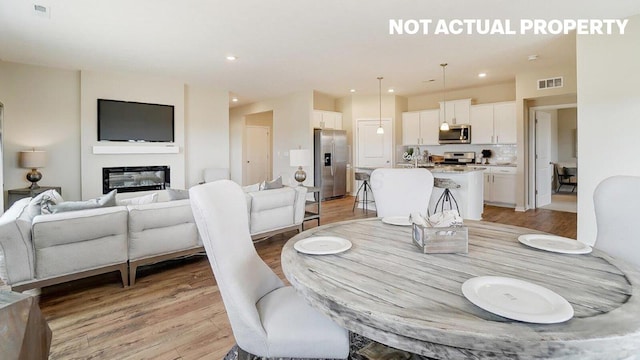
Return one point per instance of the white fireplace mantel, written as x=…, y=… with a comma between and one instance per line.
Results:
x=135, y=149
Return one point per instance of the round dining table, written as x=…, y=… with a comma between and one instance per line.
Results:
x=385, y=288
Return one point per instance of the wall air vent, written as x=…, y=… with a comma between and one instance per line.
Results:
x=42, y=10
x=556, y=82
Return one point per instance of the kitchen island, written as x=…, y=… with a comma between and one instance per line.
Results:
x=470, y=194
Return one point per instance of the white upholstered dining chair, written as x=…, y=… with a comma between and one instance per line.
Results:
x=617, y=205
x=268, y=319
x=400, y=192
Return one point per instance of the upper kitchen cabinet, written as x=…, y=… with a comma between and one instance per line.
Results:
x=458, y=111
x=327, y=120
x=420, y=127
x=493, y=123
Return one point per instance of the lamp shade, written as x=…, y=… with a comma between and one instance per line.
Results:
x=299, y=157
x=33, y=159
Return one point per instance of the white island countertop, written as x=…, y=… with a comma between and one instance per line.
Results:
x=436, y=169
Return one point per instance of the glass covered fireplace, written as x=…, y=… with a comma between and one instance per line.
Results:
x=135, y=178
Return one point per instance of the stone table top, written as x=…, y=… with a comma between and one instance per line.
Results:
x=384, y=288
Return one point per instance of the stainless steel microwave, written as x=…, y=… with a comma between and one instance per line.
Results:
x=457, y=134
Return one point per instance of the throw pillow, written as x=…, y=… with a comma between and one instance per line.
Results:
x=41, y=203
x=252, y=188
x=177, y=194
x=140, y=200
x=49, y=198
x=102, y=201
x=275, y=184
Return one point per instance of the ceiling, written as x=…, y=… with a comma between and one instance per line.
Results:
x=285, y=46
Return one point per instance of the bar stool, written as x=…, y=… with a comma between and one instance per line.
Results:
x=447, y=196
x=365, y=188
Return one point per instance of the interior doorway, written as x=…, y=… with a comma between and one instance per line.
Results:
x=553, y=147
x=258, y=145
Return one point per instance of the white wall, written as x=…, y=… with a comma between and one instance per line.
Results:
x=128, y=87
x=42, y=111
x=567, y=125
x=206, y=131
x=527, y=95
x=608, y=115
x=292, y=116
x=479, y=95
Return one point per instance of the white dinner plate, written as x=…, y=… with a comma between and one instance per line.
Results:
x=397, y=220
x=518, y=300
x=554, y=243
x=322, y=245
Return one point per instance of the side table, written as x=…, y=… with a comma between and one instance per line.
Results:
x=25, y=333
x=313, y=208
x=17, y=194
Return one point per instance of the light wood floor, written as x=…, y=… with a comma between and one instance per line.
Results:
x=175, y=311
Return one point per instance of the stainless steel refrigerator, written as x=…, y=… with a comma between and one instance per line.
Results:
x=330, y=162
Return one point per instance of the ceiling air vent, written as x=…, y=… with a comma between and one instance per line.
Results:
x=556, y=82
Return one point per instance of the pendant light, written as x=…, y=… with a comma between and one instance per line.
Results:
x=380, y=130
x=445, y=125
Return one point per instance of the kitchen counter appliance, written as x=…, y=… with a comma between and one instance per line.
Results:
x=459, y=158
x=457, y=134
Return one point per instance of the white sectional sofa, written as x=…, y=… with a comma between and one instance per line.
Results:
x=40, y=250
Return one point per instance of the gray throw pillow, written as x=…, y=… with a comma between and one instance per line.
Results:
x=42, y=203
x=103, y=201
x=275, y=184
x=177, y=194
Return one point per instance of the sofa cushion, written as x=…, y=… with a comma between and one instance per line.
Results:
x=140, y=200
x=252, y=187
x=69, y=242
x=177, y=194
x=102, y=201
x=273, y=184
x=160, y=228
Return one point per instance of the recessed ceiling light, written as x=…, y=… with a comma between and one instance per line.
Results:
x=352, y=90
x=234, y=99
x=482, y=75
x=532, y=57
x=390, y=90
x=232, y=58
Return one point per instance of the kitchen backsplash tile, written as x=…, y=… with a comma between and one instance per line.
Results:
x=500, y=153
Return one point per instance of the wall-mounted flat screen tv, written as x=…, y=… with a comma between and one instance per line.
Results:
x=134, y=121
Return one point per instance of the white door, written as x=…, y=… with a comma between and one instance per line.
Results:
x=257, y=155
x=544, y=169
x=374, y=150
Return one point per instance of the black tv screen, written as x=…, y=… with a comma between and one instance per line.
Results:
x=134, y=121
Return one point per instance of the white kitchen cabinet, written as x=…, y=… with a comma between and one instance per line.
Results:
x=493, y=123
x=327, y=120
x=500, y=185
x=457, y=111
x=420, y=127
x=504, y=122
x=482, y=124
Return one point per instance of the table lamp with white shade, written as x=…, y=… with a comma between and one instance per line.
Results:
x=33, y=159
x=300, y=158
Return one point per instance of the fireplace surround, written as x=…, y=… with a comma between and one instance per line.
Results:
x=135, y=178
